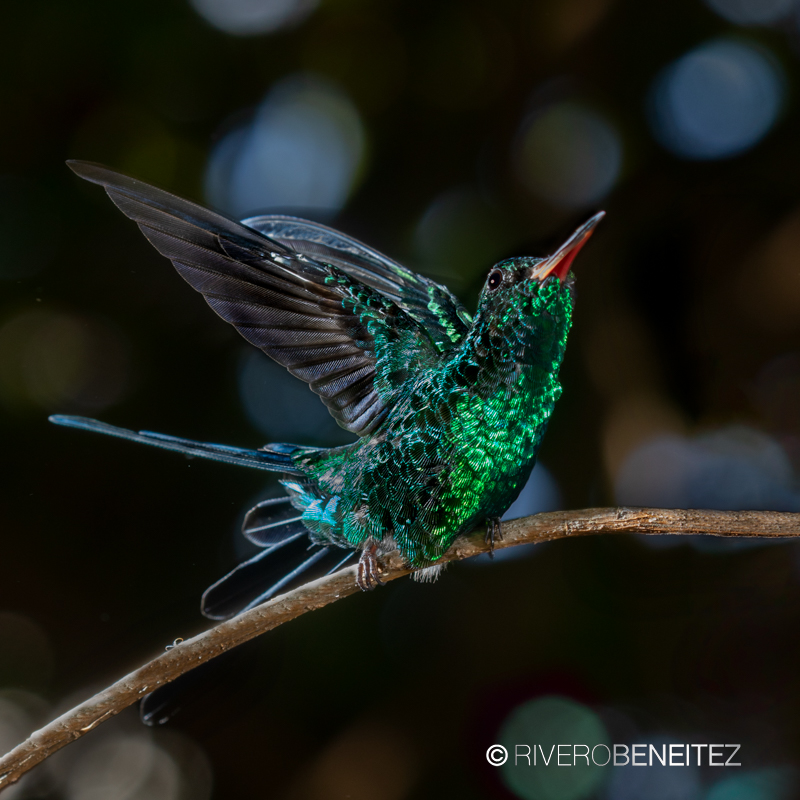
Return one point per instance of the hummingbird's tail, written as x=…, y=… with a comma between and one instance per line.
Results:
x=287, y=561
x=276, y=458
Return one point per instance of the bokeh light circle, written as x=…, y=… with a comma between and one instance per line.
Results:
x=550, y=721
x=61, y=361
x=253, y=17
x=281, y=406
x=129, y=767
x=716, y=101
x=727, y=469
x=302, y=150
x=752, y=12
x=461, y=233
x=772, y=783
x=656, y=781
x=569, y=155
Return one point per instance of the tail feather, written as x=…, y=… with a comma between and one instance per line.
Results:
x=281, y=567
x=161, y=705
x=267, y=459
x=277, y=568
x=286, y=561
x=271, y=522
x=326, y=560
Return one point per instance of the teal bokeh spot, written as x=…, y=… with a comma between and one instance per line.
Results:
x=778, y=783
x=550, y=721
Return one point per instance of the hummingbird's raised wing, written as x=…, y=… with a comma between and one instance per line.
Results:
x=353, y=344
x=432, y=305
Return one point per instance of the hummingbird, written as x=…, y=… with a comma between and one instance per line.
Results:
x=449, y=409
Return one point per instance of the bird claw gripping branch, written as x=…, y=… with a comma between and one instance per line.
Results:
x=368, y=574
x=494, y=531
x=450, y=411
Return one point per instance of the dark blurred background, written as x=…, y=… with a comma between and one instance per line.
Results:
x=449, y=135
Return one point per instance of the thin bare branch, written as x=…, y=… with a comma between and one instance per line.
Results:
x=193, y=652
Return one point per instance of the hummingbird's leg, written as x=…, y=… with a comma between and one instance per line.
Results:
x=368, y=575
x=493, y=530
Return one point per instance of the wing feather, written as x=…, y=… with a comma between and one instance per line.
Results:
x=331, y=310
x=428, y=302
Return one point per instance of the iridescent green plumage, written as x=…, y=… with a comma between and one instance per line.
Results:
x=461, y=437
x=450, y=411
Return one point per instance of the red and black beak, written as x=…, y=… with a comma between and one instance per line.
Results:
x=559, y=263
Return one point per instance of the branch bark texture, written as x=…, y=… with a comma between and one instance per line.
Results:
x=530, y=530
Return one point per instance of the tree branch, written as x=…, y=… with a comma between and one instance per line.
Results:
x=192, y=652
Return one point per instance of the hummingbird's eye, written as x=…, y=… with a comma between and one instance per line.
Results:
x=495, y=279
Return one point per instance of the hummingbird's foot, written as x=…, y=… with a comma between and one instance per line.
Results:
x=493, y=531
x=368, y=575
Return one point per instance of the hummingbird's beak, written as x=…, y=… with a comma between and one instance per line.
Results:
x=559, y=263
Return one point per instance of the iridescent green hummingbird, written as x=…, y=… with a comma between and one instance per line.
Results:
x=450, y=411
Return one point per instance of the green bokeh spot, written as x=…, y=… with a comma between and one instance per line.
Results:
x=552, y=721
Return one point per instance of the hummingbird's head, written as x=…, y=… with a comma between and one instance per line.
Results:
x=525, y=307
x=525, y=277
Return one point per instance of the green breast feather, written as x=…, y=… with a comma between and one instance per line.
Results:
x=460, y=440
